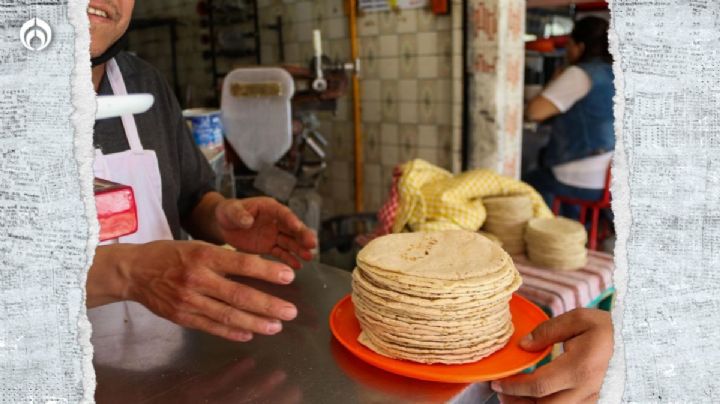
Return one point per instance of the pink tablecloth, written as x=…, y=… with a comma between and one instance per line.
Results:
x=562, y=291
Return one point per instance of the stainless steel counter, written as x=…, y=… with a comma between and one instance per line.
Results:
x=141, y=358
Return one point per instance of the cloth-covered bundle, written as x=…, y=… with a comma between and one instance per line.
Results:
x=424, y=197
x=433, y=199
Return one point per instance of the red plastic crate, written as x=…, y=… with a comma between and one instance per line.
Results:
x=116, y=210
x=441, y=7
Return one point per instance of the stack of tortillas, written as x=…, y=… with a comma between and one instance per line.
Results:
x=556, y=243
x=434, y=297
x=491, y=236
x=507, y=217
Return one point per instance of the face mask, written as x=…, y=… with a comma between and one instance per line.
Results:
x=110, y=53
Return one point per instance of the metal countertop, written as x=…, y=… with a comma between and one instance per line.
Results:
x=141, y=358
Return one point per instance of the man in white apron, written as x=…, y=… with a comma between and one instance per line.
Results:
x=184, y=281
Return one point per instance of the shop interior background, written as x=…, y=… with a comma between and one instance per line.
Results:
x=429, y=82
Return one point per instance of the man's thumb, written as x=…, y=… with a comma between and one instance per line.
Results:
x=557, y=329
x=232, y=215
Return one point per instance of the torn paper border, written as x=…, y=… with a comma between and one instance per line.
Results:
x=83, y=120
x=614, y=384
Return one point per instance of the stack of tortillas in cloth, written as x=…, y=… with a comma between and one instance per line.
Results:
x=507, y=217
x=556, y=243
x=440, y=297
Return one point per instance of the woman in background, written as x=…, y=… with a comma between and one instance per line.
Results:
x=579, y=100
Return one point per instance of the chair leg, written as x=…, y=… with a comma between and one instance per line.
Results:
x=594, y=228
x=583, y=212
x=604, y=229
x=556, y=206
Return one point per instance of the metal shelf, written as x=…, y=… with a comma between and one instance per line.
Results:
x=215, y=21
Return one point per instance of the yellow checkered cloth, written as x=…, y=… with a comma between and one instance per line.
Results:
x=432, y=199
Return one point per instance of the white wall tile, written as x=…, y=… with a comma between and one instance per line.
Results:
x=370, y=89
x=389, y=134
x=427, y=43
x=407, y=21
x=388, y=46
x=389, y=68
x=407, y=90
x=428, y=135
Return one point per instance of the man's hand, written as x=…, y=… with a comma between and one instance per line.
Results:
x=577, y=375
x=265, y=226
x=185, y=282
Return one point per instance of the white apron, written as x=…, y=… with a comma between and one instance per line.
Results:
x=137, y=168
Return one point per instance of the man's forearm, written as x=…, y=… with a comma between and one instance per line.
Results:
x=107, y=280
x=202, y=223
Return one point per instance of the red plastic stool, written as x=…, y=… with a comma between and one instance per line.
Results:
x=594, y=206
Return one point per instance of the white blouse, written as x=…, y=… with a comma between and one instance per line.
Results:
x=567, y=89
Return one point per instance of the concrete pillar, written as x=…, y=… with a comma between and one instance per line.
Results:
x=496, y=66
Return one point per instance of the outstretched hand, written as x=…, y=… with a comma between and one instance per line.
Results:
x=187, y=283
x=264, y=226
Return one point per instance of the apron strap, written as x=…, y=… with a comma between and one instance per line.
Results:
x=118, y=86
x=99, y=165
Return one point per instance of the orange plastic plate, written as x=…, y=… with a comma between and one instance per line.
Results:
x=505, y=362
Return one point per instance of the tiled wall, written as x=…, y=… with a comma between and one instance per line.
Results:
x=410, y=84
